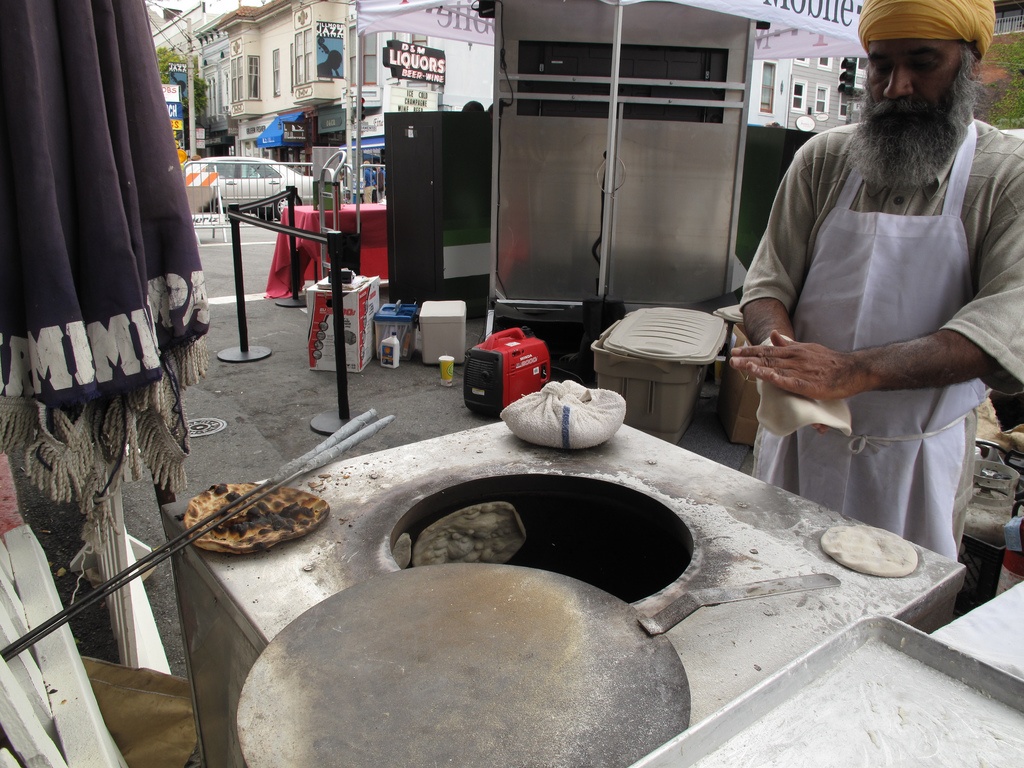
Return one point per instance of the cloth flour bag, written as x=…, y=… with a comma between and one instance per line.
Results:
x=564, y=414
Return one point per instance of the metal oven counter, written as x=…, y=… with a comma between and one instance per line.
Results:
x=652, y=508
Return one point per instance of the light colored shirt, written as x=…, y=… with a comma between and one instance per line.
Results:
x=992, y=217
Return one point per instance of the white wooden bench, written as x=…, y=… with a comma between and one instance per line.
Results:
x=47, y=707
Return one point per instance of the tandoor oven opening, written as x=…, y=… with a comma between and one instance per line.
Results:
x=612, y=537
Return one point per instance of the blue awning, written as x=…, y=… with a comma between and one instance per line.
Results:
x=273, y=134
x=370, y=142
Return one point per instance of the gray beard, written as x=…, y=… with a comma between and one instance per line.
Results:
x=904, y=143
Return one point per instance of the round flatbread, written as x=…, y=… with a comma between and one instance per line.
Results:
x=491, y=532
x=870, y=550
x=285, y=513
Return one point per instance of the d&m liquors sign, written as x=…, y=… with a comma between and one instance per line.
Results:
x=408, y=61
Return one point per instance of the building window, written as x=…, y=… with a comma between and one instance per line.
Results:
x=237, y=79
x=767, y=87
x=825, y=63
x=799, y=95
x=844, y=106
x=276, y=63
x=821, y=100
x=369, y=69
x=804, y=62
x=370, y=48
x=254, y=77
x=213, y=104
x=303, y=71
x=419, y=40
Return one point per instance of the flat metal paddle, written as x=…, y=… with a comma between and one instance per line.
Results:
x=686, y=604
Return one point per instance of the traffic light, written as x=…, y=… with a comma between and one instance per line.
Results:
x=848, y=77
x=362, y=109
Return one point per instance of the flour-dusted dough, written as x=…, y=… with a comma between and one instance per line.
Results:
x=491, y=532
x=782, y=412
x=870, y=550
x=402, y=551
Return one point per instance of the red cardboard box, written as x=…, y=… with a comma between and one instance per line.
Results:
x=360, y=303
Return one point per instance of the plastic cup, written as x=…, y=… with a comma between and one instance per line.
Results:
x=447, y=369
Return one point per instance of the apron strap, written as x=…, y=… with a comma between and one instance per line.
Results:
x=858, y=443
x=853, y=182
x=960, y=175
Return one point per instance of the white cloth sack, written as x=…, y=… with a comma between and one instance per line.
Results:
x=564, y=414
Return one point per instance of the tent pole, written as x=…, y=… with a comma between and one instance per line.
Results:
x=611, y=156
x=358, y=169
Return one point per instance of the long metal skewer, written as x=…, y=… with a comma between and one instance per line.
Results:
x=345, y=438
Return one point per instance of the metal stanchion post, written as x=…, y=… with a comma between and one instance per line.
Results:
x=330, y=422
x=293, y=300
x=242, y=353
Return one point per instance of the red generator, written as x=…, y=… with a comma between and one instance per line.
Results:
x=504, y=367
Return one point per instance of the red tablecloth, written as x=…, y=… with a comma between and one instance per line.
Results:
x=373, y=245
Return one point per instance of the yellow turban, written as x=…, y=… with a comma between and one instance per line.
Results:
x=970, y=20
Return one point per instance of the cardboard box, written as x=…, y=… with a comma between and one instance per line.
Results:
x=738, y=400
x=359, y=304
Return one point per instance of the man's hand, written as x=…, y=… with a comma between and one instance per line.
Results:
x=937, y=360
x=810, y=370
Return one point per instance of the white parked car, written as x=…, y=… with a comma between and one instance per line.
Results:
x=247, y=179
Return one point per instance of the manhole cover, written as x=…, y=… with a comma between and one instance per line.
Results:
x=204, y=427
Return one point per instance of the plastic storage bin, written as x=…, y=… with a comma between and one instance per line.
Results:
x=443, y=330
x=396, y=320
x=656, y=359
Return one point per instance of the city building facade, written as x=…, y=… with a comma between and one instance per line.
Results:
x=285, y=76
x=802, y=94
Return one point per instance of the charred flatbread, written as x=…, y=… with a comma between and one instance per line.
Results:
x=285, y=513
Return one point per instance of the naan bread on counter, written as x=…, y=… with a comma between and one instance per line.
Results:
x=285, y=513
x=870, y=550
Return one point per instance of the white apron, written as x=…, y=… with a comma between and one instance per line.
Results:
x=878, y=278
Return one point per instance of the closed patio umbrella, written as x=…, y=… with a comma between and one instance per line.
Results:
x=103, y=305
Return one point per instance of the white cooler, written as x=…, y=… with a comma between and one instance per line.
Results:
x=443, y=330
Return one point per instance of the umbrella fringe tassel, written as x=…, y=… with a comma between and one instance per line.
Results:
x=79, y=455
x=17, y=422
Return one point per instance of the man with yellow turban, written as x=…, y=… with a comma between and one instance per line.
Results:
x=891, y=277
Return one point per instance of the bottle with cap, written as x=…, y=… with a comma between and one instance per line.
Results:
x=390, y=352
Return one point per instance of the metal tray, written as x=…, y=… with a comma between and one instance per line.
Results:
x=879, y=693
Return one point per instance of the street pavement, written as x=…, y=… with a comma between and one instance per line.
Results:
x=267, y=407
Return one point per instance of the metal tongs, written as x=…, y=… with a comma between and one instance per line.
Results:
x=354, y=432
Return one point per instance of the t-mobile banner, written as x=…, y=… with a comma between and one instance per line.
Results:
x=450, y=19
x=799, y=28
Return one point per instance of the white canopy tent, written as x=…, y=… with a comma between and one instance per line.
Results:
x=797, y=29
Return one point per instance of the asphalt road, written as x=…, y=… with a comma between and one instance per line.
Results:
x=263, y=410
